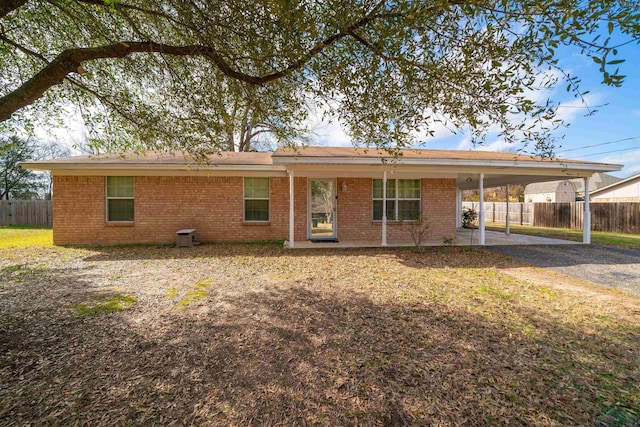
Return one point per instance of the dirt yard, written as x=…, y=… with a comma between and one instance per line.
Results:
x=258, y=335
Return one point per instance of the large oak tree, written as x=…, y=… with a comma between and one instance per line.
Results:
x=205, y=75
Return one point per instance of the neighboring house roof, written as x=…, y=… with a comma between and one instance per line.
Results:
x=548, y=187
x=618, y=183
x=597, y=181
x=464, y=166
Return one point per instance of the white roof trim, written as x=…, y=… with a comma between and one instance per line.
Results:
x=42, y=166
x=556, y=164
x=283, y=164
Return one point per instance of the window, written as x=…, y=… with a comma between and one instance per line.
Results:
x=256, y=199
x=403, y=199
x=119, y=198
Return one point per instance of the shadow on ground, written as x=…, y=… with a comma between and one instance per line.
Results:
x=546, y=255
x=291, y=354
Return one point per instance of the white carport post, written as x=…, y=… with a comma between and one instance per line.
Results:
x=586, y=220
x=506, y=219
x=384, y=208
x=291, y=213
x=458, y=208
x=482, y=236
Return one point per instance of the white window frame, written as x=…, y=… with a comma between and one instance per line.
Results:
x=244, y=199
x=395, y=200
x=107, y=198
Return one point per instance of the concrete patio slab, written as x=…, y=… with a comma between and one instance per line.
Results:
x=464, y=237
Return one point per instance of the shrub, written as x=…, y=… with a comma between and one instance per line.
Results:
x=418, y=230
x=469, y=218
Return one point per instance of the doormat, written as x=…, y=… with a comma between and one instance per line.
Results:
x=325, y=241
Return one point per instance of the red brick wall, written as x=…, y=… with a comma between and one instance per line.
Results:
x=301, y=188
x=355, y=210
x=164, y=205
x=439, y=207
x=214, y=207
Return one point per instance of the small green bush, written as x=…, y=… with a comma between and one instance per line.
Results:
x=469, y=218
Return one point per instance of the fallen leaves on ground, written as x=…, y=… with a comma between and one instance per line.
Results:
x=450, y=336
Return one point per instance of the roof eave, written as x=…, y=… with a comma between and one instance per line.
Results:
x=52, y=166
x=552, y=164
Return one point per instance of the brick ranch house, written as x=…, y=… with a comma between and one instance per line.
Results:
x=311, y=193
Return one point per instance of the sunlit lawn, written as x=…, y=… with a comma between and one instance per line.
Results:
x=618, y=240
x=16, y=236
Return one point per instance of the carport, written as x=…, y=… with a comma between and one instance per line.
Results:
x=480, y=181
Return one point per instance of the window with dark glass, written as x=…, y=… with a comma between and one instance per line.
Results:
x=256, y=199
x=403, y=199
x=120, y=205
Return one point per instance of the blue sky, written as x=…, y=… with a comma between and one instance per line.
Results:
x=617, y=118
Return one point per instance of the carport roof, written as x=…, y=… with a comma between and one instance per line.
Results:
x=464, y=166
x=315, y=161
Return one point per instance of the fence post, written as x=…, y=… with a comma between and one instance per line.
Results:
x=521, y=213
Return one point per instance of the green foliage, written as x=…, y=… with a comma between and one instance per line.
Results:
x=111, y=305
x=197, y=292
x=469, y=218
x=389, y=71
x=192, y=296
x=447, y=241
x=16, y=182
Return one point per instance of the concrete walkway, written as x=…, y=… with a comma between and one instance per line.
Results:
x=464, y=237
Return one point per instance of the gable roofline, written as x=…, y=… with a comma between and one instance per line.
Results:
x=621, y=182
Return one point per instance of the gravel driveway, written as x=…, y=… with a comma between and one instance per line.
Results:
x=613, y=267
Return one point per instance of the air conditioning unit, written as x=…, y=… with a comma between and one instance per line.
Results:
x=186, y=238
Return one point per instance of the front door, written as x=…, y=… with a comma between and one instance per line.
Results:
x=322, y=209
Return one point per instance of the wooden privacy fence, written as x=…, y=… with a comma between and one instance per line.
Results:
x=26, y=212
x=620, y=217
x=519, y=213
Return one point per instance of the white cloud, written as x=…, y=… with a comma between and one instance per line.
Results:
x=331, y=133
x=69, y=131
x=499, y=145
x=630, y=160
x=326, y=128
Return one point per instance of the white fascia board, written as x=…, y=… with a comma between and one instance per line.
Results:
x=521, y=164
x=361, y=170
x=143, y=167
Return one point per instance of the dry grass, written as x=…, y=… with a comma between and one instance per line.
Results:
x=382, y=337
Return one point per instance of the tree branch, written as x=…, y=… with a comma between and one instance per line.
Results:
x=8, y=6
x=70, y=61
